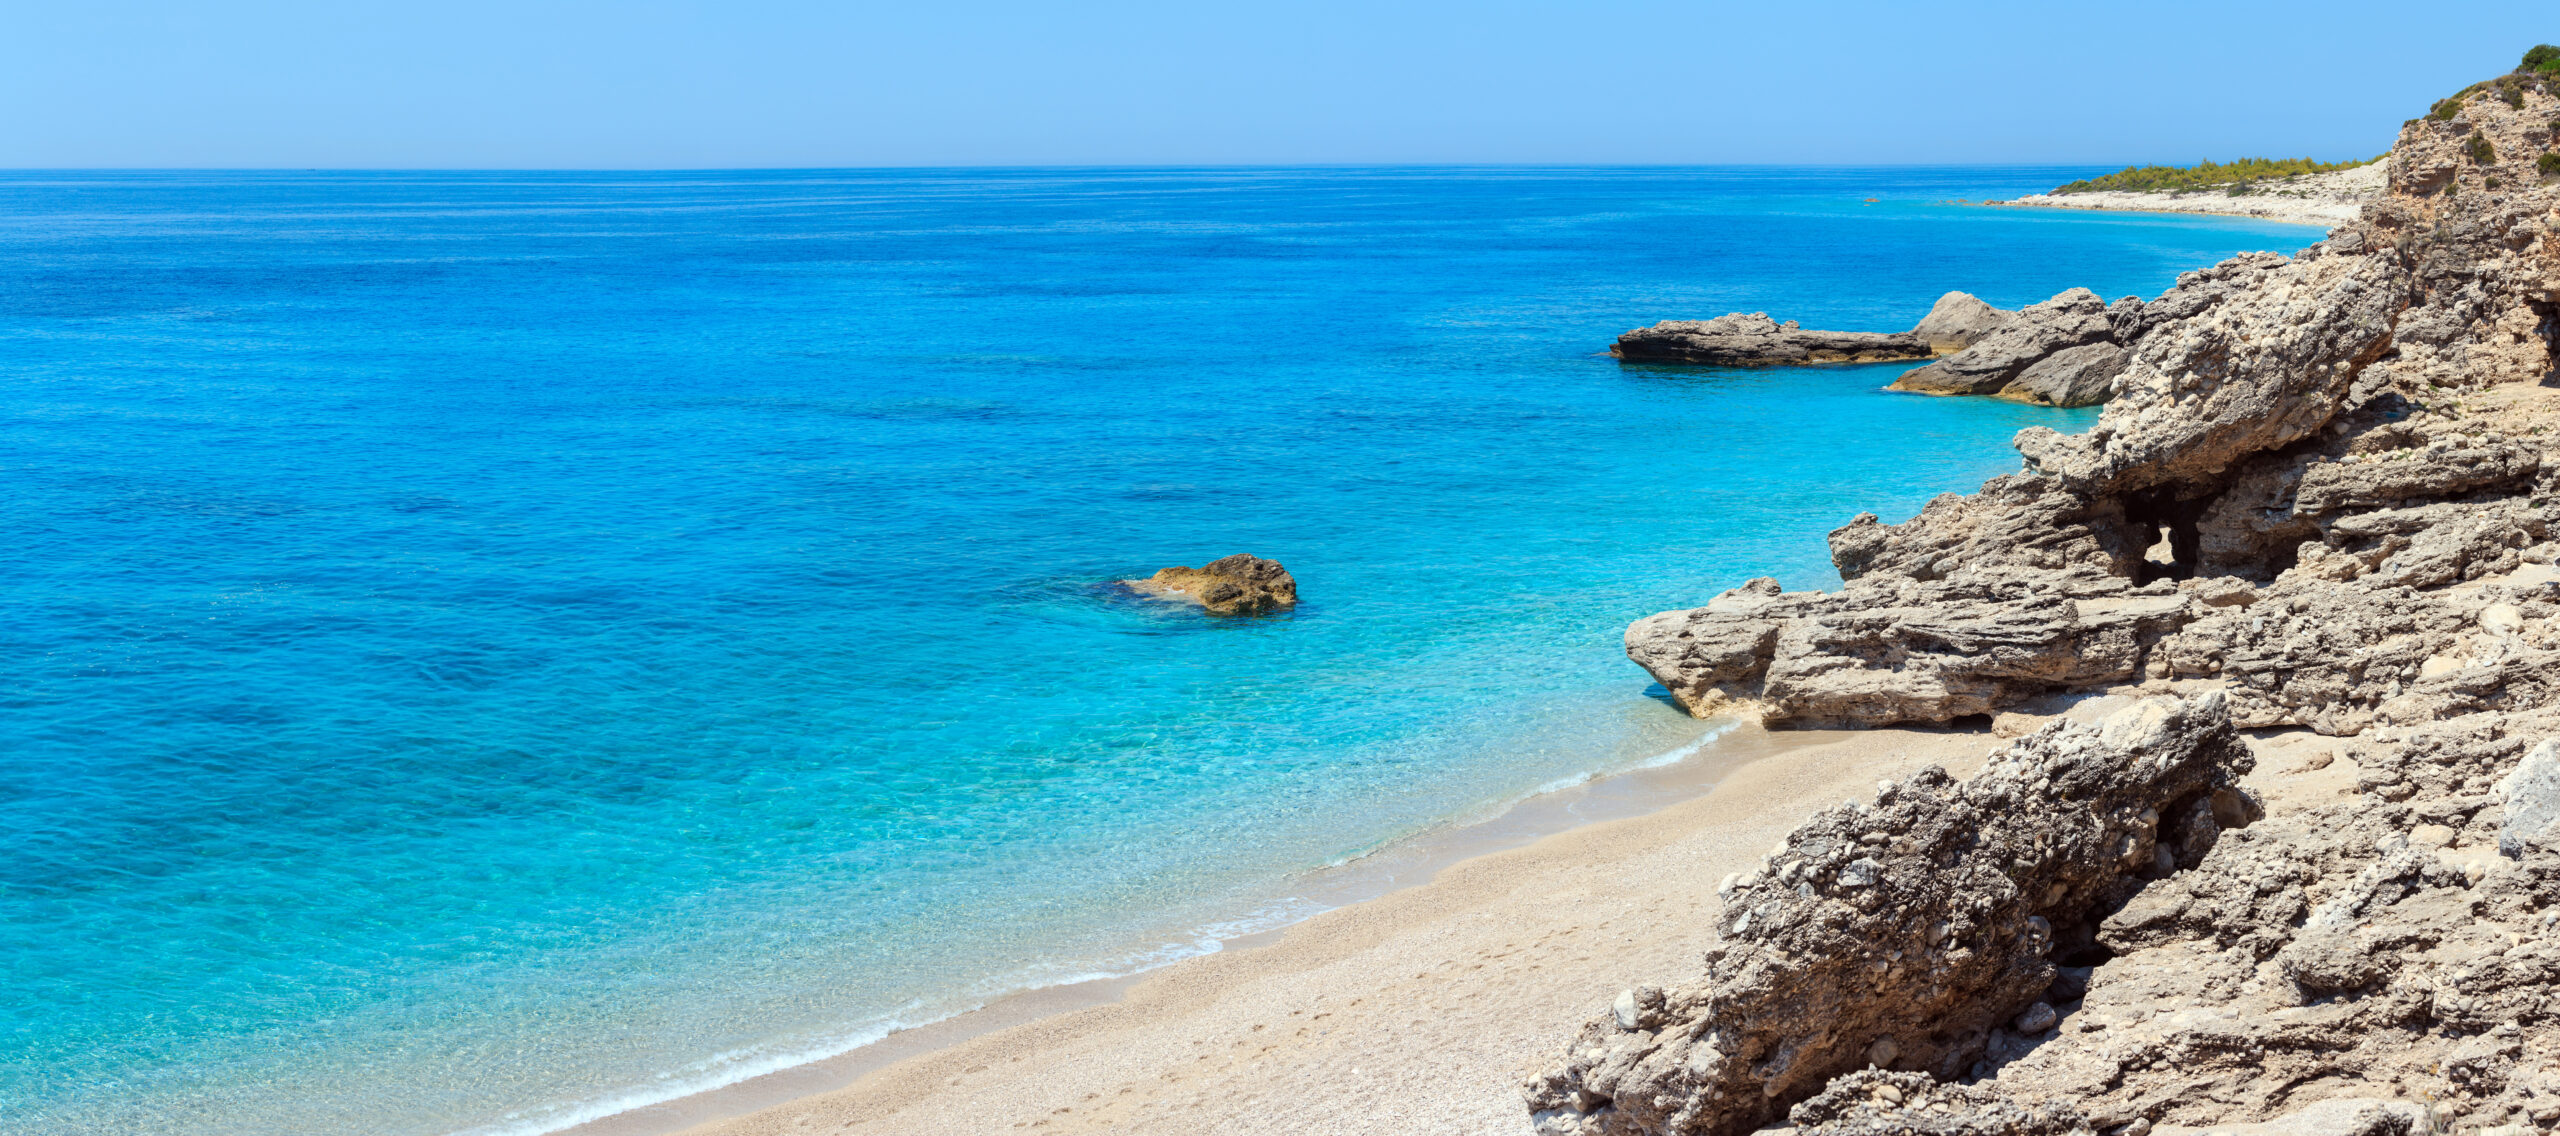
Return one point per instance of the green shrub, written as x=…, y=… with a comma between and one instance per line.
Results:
x=2445, y=109
x=2544, y=58
x=2232, y=176
x=2548, y=163
x=2489, y=183
x=2482, y=153
x=2511, y=93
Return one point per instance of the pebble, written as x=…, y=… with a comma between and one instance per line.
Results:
x=2038, y=1018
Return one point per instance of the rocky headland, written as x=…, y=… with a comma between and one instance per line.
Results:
x=2062, y=352
x=2294, y=868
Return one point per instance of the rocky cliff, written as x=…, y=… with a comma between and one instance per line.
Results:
x=2319, y=507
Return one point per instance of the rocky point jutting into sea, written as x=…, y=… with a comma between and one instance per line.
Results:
x=2066, y=351
x=2319, y=505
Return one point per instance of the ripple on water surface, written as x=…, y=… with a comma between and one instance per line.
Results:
x=490, y=649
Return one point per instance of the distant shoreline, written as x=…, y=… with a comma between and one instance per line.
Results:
x=2170, y=203
x=2319, y=199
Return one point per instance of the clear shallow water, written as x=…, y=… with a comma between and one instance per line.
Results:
x=489, y=648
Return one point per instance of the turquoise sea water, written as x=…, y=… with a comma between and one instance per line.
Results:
x=491, y=649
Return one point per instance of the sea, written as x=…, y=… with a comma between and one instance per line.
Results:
x=489, y=650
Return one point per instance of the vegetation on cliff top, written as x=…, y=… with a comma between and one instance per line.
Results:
x=2230, y=176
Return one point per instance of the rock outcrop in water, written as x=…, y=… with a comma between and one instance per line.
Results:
x=1755, y=340
x=2289, y=435
x=1998, y=363
x=1957, y=321
x=2062, y=352
x=2320, y=504
x=1232, y=585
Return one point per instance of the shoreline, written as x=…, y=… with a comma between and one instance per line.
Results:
x=1654, y=837
x=1683, y=773
x=2327, y=199
x=2166, y=204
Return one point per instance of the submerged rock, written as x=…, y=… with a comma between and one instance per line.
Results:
x=1233, y=585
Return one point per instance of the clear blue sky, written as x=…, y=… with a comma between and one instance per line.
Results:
x=530, y=83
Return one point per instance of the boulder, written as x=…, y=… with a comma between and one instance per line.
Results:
x=1916, y=928
x=2073, y=319
x=2073, y=376
x=1959, y=320
x=2531, y=796
x=1233, y=585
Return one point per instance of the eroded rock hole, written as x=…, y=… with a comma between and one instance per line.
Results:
x=2164, y=526
x=2548, y=327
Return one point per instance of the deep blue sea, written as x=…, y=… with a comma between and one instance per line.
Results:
x=489, y=649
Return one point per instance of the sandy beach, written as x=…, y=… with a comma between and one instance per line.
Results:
x=1414, y=1012
x=2319, y=199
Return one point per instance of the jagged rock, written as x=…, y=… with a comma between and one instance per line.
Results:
x=2441, y=156
x=2073, y=376
x=2326, y=481
x=2530, y=796
x=1755, y=340
x=1232, y=585
x=2073, y=319
x=1898, y=650
x=1928, y=920
x=1959, y=320
x=2252, y=354
x=1873, y=1102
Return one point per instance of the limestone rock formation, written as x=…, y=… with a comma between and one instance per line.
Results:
x=1755, y=340
x=1233, y=585
x=1907, y=933
x=2337, y=437
x=1959, y=320
x=2073, y=376
x=1877, y=1103
x=2320, y=504
x=2076, y=318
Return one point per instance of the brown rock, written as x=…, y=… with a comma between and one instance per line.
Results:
x=1233, y=585
x=1755, y=340
x=1931, y=919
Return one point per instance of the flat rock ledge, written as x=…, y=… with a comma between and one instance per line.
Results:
x=1232, y=585
x=1754, y=340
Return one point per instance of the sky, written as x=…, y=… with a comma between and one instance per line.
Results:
x=790, y=83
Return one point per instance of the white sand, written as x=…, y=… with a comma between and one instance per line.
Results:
x=1414, y=1013
x=2317, y=199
